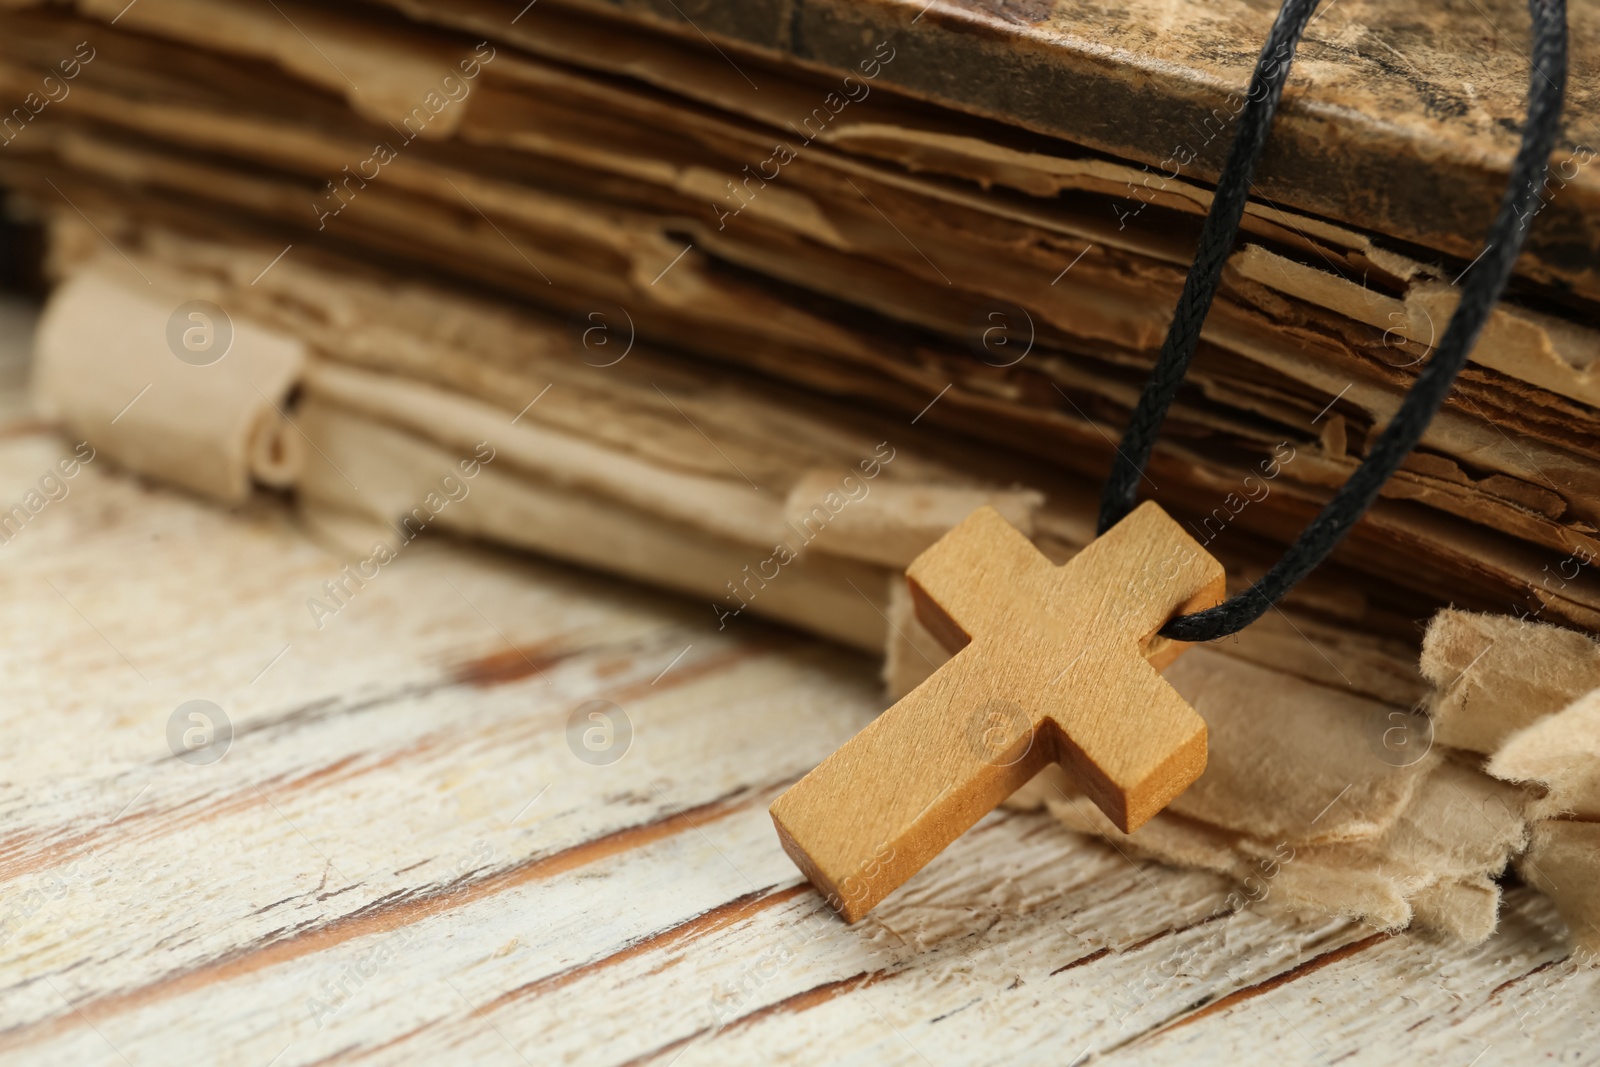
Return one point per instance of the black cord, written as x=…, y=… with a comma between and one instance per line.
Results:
x=1486, y=280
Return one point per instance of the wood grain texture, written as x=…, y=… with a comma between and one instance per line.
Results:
x=1050, y=667
x=400, y=860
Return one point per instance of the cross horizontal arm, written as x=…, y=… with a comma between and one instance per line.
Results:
x=858, y=832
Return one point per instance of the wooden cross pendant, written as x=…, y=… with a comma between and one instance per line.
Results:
x=1051, y=664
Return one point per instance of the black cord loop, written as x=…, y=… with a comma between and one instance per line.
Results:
x=1486, y=280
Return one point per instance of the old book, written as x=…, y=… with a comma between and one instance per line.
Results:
x=901, y=256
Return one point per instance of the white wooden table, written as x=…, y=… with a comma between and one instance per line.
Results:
x=401, y=858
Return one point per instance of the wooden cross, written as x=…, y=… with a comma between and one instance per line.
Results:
x=1051, y=664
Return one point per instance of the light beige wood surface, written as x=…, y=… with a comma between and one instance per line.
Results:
x=402, y=859
x=1050, y=667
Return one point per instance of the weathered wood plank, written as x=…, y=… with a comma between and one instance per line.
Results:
x=401, y=859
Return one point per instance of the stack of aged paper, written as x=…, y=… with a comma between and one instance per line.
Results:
x=754, y=302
